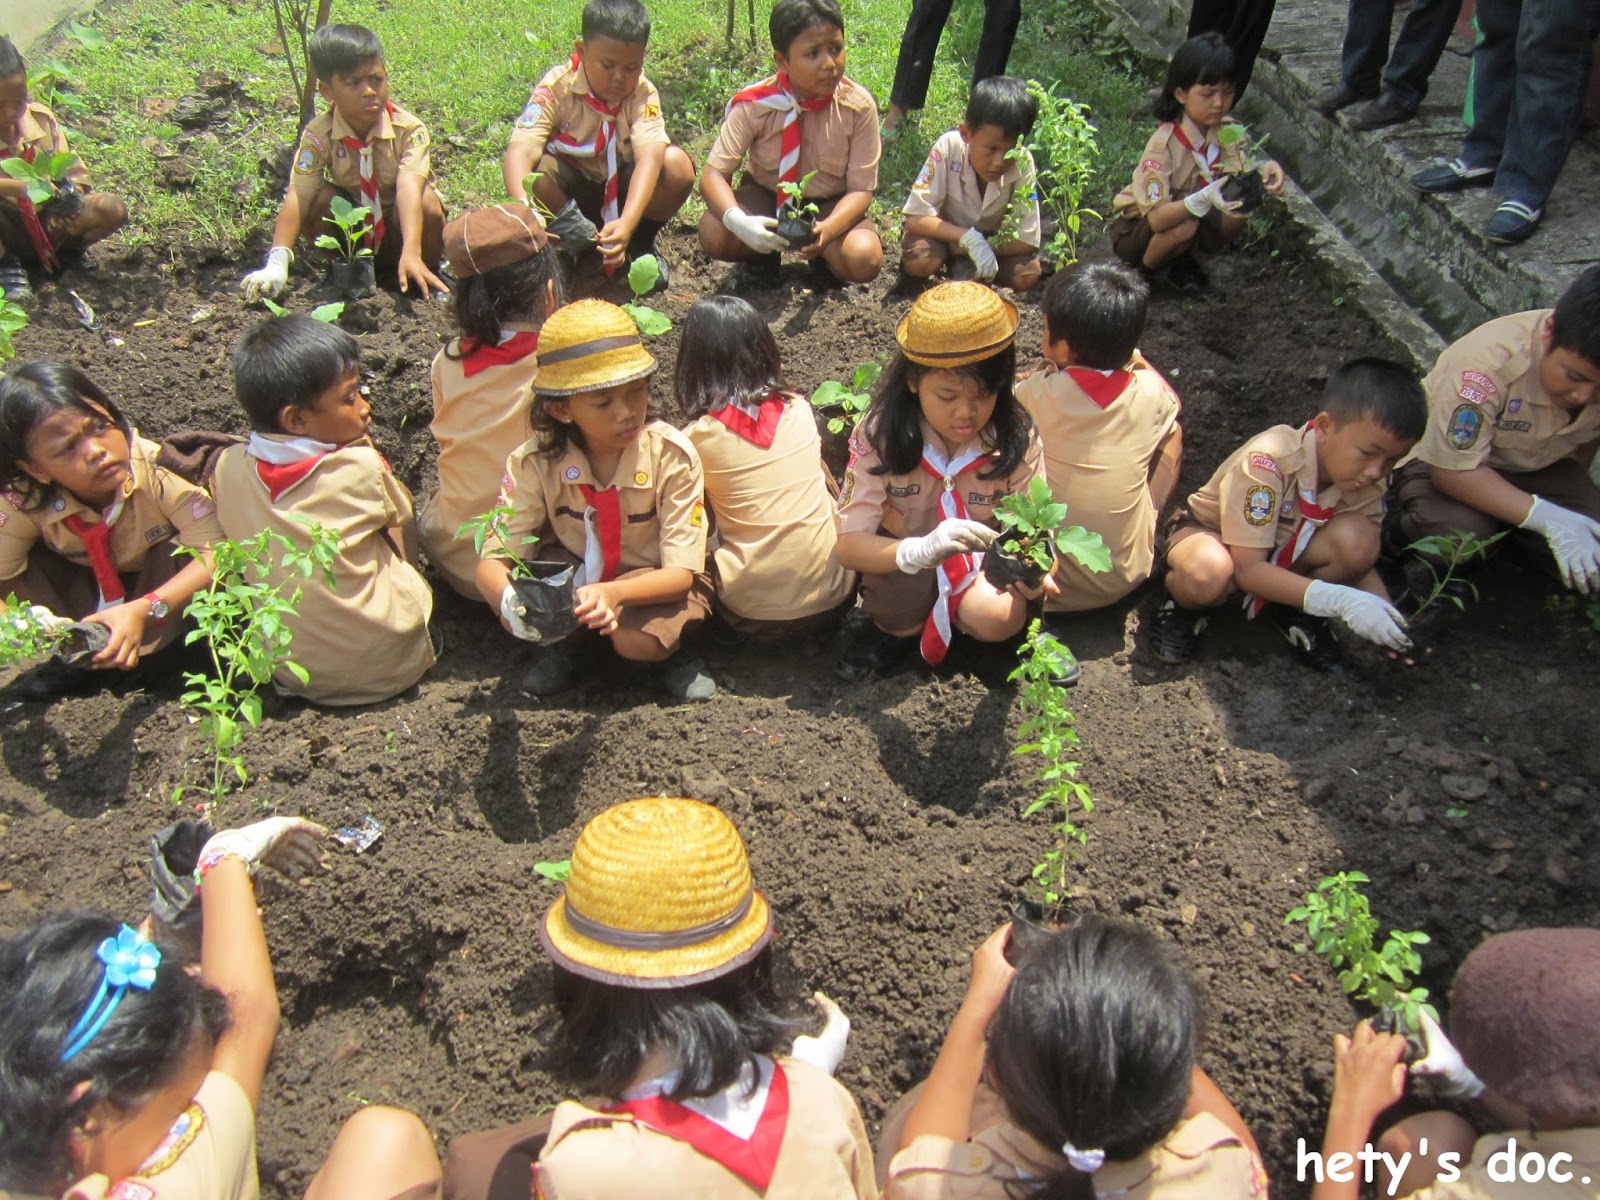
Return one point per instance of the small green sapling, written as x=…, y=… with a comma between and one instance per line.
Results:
x=43, y=175
x=643, y=275
x=794, y=198
x=355, y=233
x=23, y=635
x=13, y=319
x=852, y=399
x=1034, y=531
x=494, y=528
x=1444, y=554
x=326, y=313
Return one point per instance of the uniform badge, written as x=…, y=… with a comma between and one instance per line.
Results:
x=340, y=152
x=13, y=499
x=419, y=137
x=158, y=533
x=652, y=112
x=507, y=487
x=697, y=514
x=640, y=479
x=924, y=177
x=1465, y=424
x=183, y=1132
x=1260, y=505
x=572, y=473
x=1265, y=462
x=529, y=116
x=849, y=486
x=1515, y=405
x=3, y=519
x=131, y=1189
x=306, y=161
x=1514, y=426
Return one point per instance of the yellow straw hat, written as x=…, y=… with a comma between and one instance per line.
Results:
x=660, y=896
x=588, y=346
x=952, y=325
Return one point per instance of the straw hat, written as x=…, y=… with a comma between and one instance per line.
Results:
x=954, y=324
x=588, y=346
x=478, y=241
x=660, y=896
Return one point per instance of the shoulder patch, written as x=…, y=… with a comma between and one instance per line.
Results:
x=848, y=487
x=697, y=514
x=529, y=116
x=183, y=1132
x=1151, y=164
x=131, y=1189
x=419, y=136
x=1260, y=505
x=1266, y=462
x=311, y=138
x=652, y=111
x=1153, y=191
x=1465, y=425
x=306, y=161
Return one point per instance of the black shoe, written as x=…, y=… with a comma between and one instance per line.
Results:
x=1339, y=96
x=556, y=669
x=52, y=680
x=871, y=651
x=1189, y=277
x=687, y=680
x=1311, y=638
x=1175, y=633
x=1452, y=176
x=1387, y=109
x=14, y=283
x=1513, y=222
x=1070, y=673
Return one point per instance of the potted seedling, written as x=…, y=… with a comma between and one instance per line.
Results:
x=352, y=272
x=545, y=588
x=28, y=633
x=1245, y=185
x=643, y=275
x=851, y=400
x=797, y=217
x=1033, y=535
x=54, y=195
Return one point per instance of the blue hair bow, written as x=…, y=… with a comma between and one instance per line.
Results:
x=129, y=960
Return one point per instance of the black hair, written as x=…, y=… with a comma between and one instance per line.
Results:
x=1385, y=391
x=336, y=50
x=726, y=355
x=893, y=424
x=1575, y=324
x=713, y=1029
x=515, y=292
x=1098, y=309
x=620, y=20
x=11, y=61
x=1200, y=61
x=555, y=436
x=289, y=361
x=49, y=974
x=791, y=18
x=30, y=394
x=1095, y=1044
x=1004, y=102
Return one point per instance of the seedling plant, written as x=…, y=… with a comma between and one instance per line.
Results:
x=352, y=242
x=23, y=636
x=494, y=528
x=797, y=216
x=13, y=319
x=555, y=872
x=852, y=399
x=1245, y=186
x=44, y=175
x=1064, y=149
x=50, y=82
x=1034, y=533
x=643, y=275
x=1444, y=554
x=326, y=313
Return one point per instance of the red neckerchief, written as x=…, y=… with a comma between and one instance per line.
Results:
x=607, y=529
x=1204, y=161
x=32, y=225
x=758, y=429
x=476, y=356
x=1100, y=388
x=780, y=97
x=279, y=477
x=602, y=148
x=96, y=540
x=1312, y=517
x=367, y=170
x=958, y=572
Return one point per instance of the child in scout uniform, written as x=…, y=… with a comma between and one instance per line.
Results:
x=1523, y=1050
x=128, y=1072
x=1073, y=1074
x=507, y=283
x=1292, y=520
x=769, y=494
x=368, y=150
x=1513, y=426
x=975, y=203
x=1175, y=201
x=89, y=522
x=364, y=638
x=1109, y=422
x=808, y=125
x=605, y=487
x=76, y=218
x=593, y=131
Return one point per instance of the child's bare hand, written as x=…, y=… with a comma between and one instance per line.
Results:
x=1368, y=1075
x=1272, y=178
x=413, y=270
x=991, y=975
x=821, y=234
x=1046, y=587
x=596, y=609
x=126, y=623
x=613, y=244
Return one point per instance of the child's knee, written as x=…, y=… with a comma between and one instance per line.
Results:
x=677, y=174
x=1350, y=543
x=432, y=204
x=637, y=646
x=718, y=243
x=922, y=257
x=387, y=1133
x=1022, y=273
x=107, y=213
x=860, y=256
x=1199, y=572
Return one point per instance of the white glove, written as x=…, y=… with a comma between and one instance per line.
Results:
x=1444, y=1065
x=952, y=536
x=759, y=233
x=1574, y=541
x=37, y=615
x=981, y=252
x=289, y=845
x=826, y=1050
x=514, y=614
x=1209, y=197
x=272, y=277
x=1367, y=615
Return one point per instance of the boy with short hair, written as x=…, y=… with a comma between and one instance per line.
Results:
x=593, y=130
x=299, y=381
x=975, y=203
x=809, y=125
x=367, y=149
x=1513, y=428
x=74, y=219
x=1291, y=519
x=1109, y=421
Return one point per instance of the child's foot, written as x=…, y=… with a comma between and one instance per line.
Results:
x=556, y=670
x=14, y=282
x=688, y=680
x=871, y=651
x=1071, y=673
x=1189, y=277
x=1175, y=633
x=1311, y=639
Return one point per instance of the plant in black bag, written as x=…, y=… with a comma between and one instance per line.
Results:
x=545, y=589
x=352, y=273
x=797, y=217
x=1033, y=534
x=1245, y=186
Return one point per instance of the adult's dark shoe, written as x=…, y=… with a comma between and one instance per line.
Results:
x=1387, y=109
x=1513, y=222
x=1339, y=96
x=1175, y=636
x=870, y=651
x=1453, y=176
x=1190, y=278
x=1310, y=638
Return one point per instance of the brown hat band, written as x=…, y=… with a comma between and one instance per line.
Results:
x=676, y=939
x=585, y=349
x=968, y=353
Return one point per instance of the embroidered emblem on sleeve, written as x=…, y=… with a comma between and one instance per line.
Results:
x=1260, y=505
x=1265, y=462
x=179, y=1138
x=849, y=486
x=1476, y=387
x=306, y=161
x=1465, y=424
x=697, y=514
x=529, y=116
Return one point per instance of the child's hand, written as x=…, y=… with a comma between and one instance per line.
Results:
x=613, y=244
x=1368, y=1075
x=821, y=234
x=1272, y=178
x=1047, y=587
x=413, y=270
x=596, y=609
x=991, y=975
x=126, y=623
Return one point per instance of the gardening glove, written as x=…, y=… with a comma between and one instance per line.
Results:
x=574, y=232
x=1443, y=1064
x=37, y=614
x=286, y=844
x=982, y=254
x=173, y=855
x=826, y=1050
x=759, y=233
x=952, y=536
x=1574, y=542
x=515, y=615
x=272, y=277
x=1367, y=615
x=1208, y=198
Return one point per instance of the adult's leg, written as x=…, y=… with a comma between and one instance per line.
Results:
x=1000, y=21
x=1494, y=81
x=914, y=68
x=1245, y=34
x=1554, y=44
x=1422, y=40
x=1366, y=45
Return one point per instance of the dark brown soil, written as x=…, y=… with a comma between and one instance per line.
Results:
x=882, y=820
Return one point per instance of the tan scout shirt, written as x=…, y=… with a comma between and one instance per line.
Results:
x=1254, y=498
x=40, y=130
x=908, y=505
x=1168, y=171
x=557, y=106
x=840, y=143
x=477, y=421
x=662, y=492
x=947, y=187
x=400, y=146
x=593, y=1155
x=367, y=639
x=1486, y=406
x=1580, y=1146
x=1097, y=462
x=774, y=519
x=158, y=506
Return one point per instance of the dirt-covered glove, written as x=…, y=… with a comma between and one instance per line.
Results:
x=574, y=232
x=174, y=853
x=952, y=536
x=515, y=615
x=1367, y=615
x=759, y=233
x=1574, y=542
x=272, y=277
x=981, y=252
x=1444, y=1065
x=1208, y=198
x=37, y=616
x=826, y=1050
x=289, y=845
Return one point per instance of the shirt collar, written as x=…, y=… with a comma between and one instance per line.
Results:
x=383, y=129
x=573, y=468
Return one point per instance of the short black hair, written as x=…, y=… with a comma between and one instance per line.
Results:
x=1004, y=102
x=620, y=20
x=30, y=394
x=1098, y=309
x=726, y=355
x=336, y=50
x=289, y=361
x=1387, y=392
x=1204, y=59
x=1575, y=324
x=893, y=422
x=514, y=292
x=791, y=18
x=11, y=61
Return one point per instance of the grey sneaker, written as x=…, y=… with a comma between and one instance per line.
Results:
x=556, y=669
x=688, y=680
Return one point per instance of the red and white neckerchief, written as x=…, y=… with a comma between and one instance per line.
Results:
x=602, y=146
x=739, y=1128
x=958, y=572
x=1206, y=160
x=96, y=540
x=283, y=462
x=1102, y=387
x=369, y=178
x=514, y=346
x=1312, y=517
x=602, y=534
x=755, y=423
x=34, y=227
x=780, y=97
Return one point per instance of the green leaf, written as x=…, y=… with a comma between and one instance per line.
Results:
x=274, y=308
x=89, y=39
x=327, y=313
x=326, y=241
x=643, y=275
x=556, y=872
x=650, y=322
x=1083, y=547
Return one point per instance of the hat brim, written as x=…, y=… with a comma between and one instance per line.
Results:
x=965, y=355
x=681, y=966
x=609, y=370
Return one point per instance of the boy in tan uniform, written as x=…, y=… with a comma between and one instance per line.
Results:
x=1109, y=422
x=1513, y=427
x=364, y=638
x=593, y=130
x=370, y=151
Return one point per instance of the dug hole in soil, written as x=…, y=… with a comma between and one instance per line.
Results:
x=882, y=820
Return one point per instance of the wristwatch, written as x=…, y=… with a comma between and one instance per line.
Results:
x=159, y=608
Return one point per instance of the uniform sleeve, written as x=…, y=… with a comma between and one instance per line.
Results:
x=733, y=140
x=1152, y=178
x=648, y=127
x=414, y=153
x=536, y=123
x=521, y=489
x=1465, y=399
x=1032, y=464
x=310, y=161
x=866, y=146
x=680, y=507
x=928, y=189
x=863, y=1168
x=864, y=495
x=1248, y=499
x=18, y=534
x=399, y=506
x=191, y=510
x=936, y=1168
x=1025, y=202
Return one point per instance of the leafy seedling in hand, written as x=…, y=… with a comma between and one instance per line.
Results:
x=1444, y=554
x=493, y=528
x=48, y=184
x=643, y=275
x=13, y=319
x=326, y=313
x=352, y=272
x=797, y=217
x=852, y=399
x=545, y=589
x=1034, y=532
x=1244, y=186
x=24, y=636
